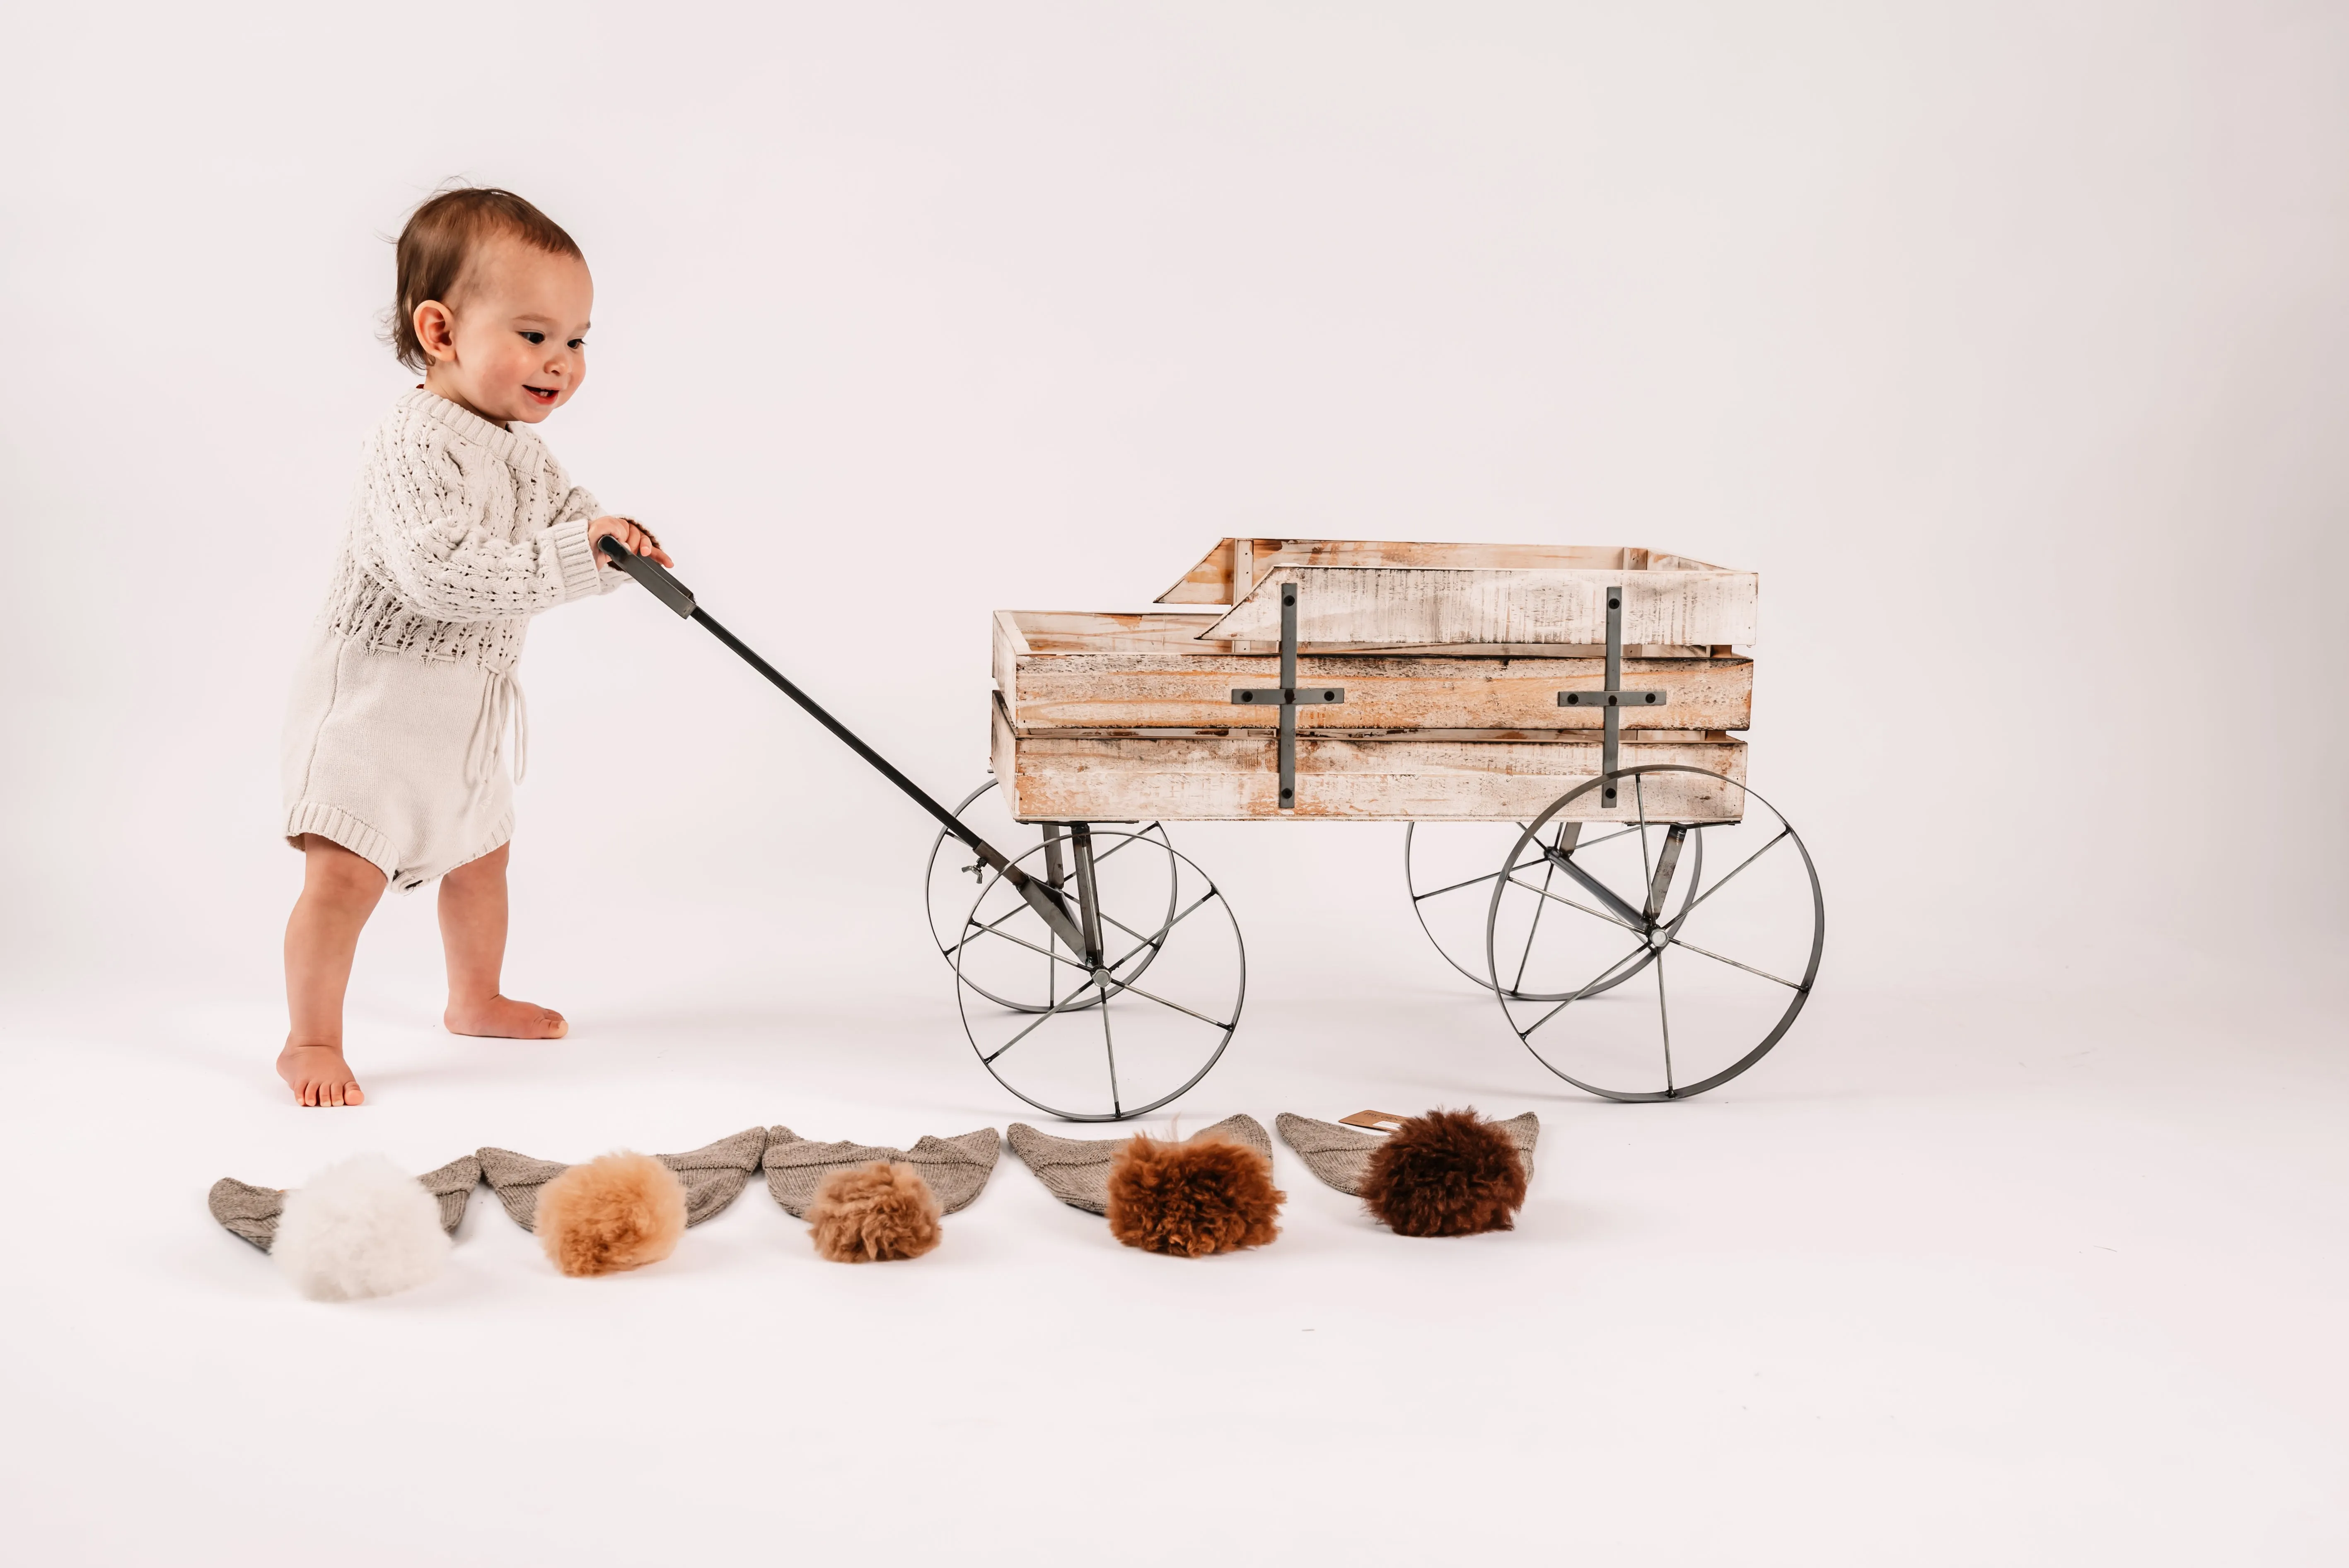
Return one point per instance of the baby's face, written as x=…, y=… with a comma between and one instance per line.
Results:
x=515, y=346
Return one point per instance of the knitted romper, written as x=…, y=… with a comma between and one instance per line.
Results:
x=396, y=736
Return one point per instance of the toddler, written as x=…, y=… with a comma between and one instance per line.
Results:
x=464, y=526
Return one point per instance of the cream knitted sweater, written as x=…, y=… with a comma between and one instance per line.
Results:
x=459, y=531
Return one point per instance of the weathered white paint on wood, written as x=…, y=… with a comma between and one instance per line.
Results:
x=1057, y=776
x=1087, y=631
x=1407, y=606
x=1063, y=670
x=1224, y=573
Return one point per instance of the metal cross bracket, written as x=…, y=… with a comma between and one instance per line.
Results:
x=1289, y=696
x=1613, y=699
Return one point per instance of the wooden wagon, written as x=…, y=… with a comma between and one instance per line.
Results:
x=1559, y=725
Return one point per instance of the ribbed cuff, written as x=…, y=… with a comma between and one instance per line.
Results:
x=338, y=826
x=580, y=576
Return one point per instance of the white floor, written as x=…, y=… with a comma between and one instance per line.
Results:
x=1951, y=1278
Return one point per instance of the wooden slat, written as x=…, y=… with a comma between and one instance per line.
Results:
x=1148, y=672
x=1405, y=605
x=1063, y=778
x=1208, y=583
x=1211, y=581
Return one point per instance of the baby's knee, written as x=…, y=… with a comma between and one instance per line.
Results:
x=333, y=871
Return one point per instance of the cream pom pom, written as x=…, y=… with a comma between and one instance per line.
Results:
x=361, y=1228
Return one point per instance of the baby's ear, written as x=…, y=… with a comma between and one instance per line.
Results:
x=435, y=329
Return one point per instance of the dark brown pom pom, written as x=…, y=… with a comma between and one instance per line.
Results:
x=1447, y=1173
x=874, y=1214
x=1188, y=1199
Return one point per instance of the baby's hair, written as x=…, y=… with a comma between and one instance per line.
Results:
x=438, y=243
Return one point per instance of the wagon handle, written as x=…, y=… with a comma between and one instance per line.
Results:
x=676, y=596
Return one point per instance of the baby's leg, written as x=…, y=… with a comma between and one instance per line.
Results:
x=339, y=891
x=474, y=935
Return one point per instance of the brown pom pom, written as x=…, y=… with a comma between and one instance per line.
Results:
x=1447, y=1173
x=1209, y=1195
x=874, y=1214
x=617, y=1212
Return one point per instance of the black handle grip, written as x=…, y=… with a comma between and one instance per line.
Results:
x=650, y=572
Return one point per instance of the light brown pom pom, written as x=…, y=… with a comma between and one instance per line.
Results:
x=874, y=1214
x=619, y=1211
x=1447, y=1173
x=1209, y=1195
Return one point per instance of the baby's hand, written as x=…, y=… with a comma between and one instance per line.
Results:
x=637, y=538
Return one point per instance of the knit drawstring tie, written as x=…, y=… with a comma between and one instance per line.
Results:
x=501, y=706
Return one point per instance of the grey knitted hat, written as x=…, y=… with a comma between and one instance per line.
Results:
x=1340, y=1156
x=956, y=1168
x=714, y=1176
x=1076, y=1169
x=251, y=1213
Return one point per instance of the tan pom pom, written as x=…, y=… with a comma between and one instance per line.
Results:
x=1209, y=1195
x=619, y=1211
x=1447, y=1173
x=874, y=1214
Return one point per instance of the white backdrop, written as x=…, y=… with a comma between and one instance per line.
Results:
x=2002, y=339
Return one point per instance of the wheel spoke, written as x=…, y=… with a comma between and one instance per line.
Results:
x=987, y=930
x=1603, y=838
x=1147, y=939
x=1041, y=1019
x=1195, y=904
x=1733, y=963
x=1051, y=952
x=1784, y=832
x=1121, y=843
x=1109, y=1044
x=1596, y=980
x=1147, y=995
x=1455, y=887
x=1664, y=1017
x=1570, y=903
x=1533, y=928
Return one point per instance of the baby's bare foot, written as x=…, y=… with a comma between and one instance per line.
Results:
x=503, y=1018
x=318, y=1075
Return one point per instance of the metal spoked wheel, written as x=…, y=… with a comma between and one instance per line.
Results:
x=1447, y=869
x=1725, y=965
x=1103, y=1047
x=954, y=872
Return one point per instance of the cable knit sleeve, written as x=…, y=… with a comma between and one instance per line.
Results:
x=437, y=525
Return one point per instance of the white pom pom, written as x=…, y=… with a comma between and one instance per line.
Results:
x=362, y=1227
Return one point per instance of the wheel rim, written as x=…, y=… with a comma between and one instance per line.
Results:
x=943, y=911
x=1110, y=1048
x=1728, y=972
